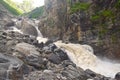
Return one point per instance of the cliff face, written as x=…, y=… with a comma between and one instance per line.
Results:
x=54, y=22
x=99, y=26
x=94, y=22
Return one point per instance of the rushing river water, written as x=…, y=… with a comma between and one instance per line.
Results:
x=82, y=56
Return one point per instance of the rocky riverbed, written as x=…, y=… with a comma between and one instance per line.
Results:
x=23, y=58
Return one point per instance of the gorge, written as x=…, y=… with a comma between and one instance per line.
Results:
x=62, y=44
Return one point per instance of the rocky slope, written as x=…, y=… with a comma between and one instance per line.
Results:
x=23, y=58
x=84, y=21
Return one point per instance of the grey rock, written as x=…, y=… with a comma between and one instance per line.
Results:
x=26, y=49
x=117, y=76
x=36, y=61
x=28, y=28
x=91, y=73
x=74, y=73
x=38, y=75
x=58, y=56
x=10, y=67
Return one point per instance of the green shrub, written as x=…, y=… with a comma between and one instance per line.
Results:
x=106, y=13
x=117, y=5
x=102, y=14
x=79, y=6
x=95, y=17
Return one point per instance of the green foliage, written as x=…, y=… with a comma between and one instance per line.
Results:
x=95, y=17
x=79, y=6
x=106, y=13
x=11, y=8
x=117, y=5
x=102, y=14
x=36, y=12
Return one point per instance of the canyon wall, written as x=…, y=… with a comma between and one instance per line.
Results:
x=92, y=22
x=53, y=24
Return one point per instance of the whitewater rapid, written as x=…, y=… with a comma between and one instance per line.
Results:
x=83, y=56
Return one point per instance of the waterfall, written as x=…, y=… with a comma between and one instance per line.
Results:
x=40, y=36
x=82, y=56
x=39, y=33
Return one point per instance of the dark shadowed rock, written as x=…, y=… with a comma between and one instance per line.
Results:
x=49, y=48
x=54, y=58
x=36, y=61
x=62, y=54
x=49, y=42
x=66, y=63
x=117, y=76
x=58, y=56
x=91, y=73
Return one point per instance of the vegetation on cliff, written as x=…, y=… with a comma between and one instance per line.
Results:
x=79, y=6
x=36, y=13
x=102, y=15
x=11, y=7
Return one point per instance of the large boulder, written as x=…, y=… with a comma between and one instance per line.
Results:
x=29, y=54
x=26, y=49
x=58, y=56
x=28, y=28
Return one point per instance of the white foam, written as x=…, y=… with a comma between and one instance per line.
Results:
x=15, y=30
x=41, y=39
x=83, y=57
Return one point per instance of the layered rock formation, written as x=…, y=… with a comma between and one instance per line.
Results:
x=53, y=24
x=99, y=26
x=86, y=21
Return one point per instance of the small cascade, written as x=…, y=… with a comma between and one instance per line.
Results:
x=39, y=33
x=17, y=30
x=7, y=75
